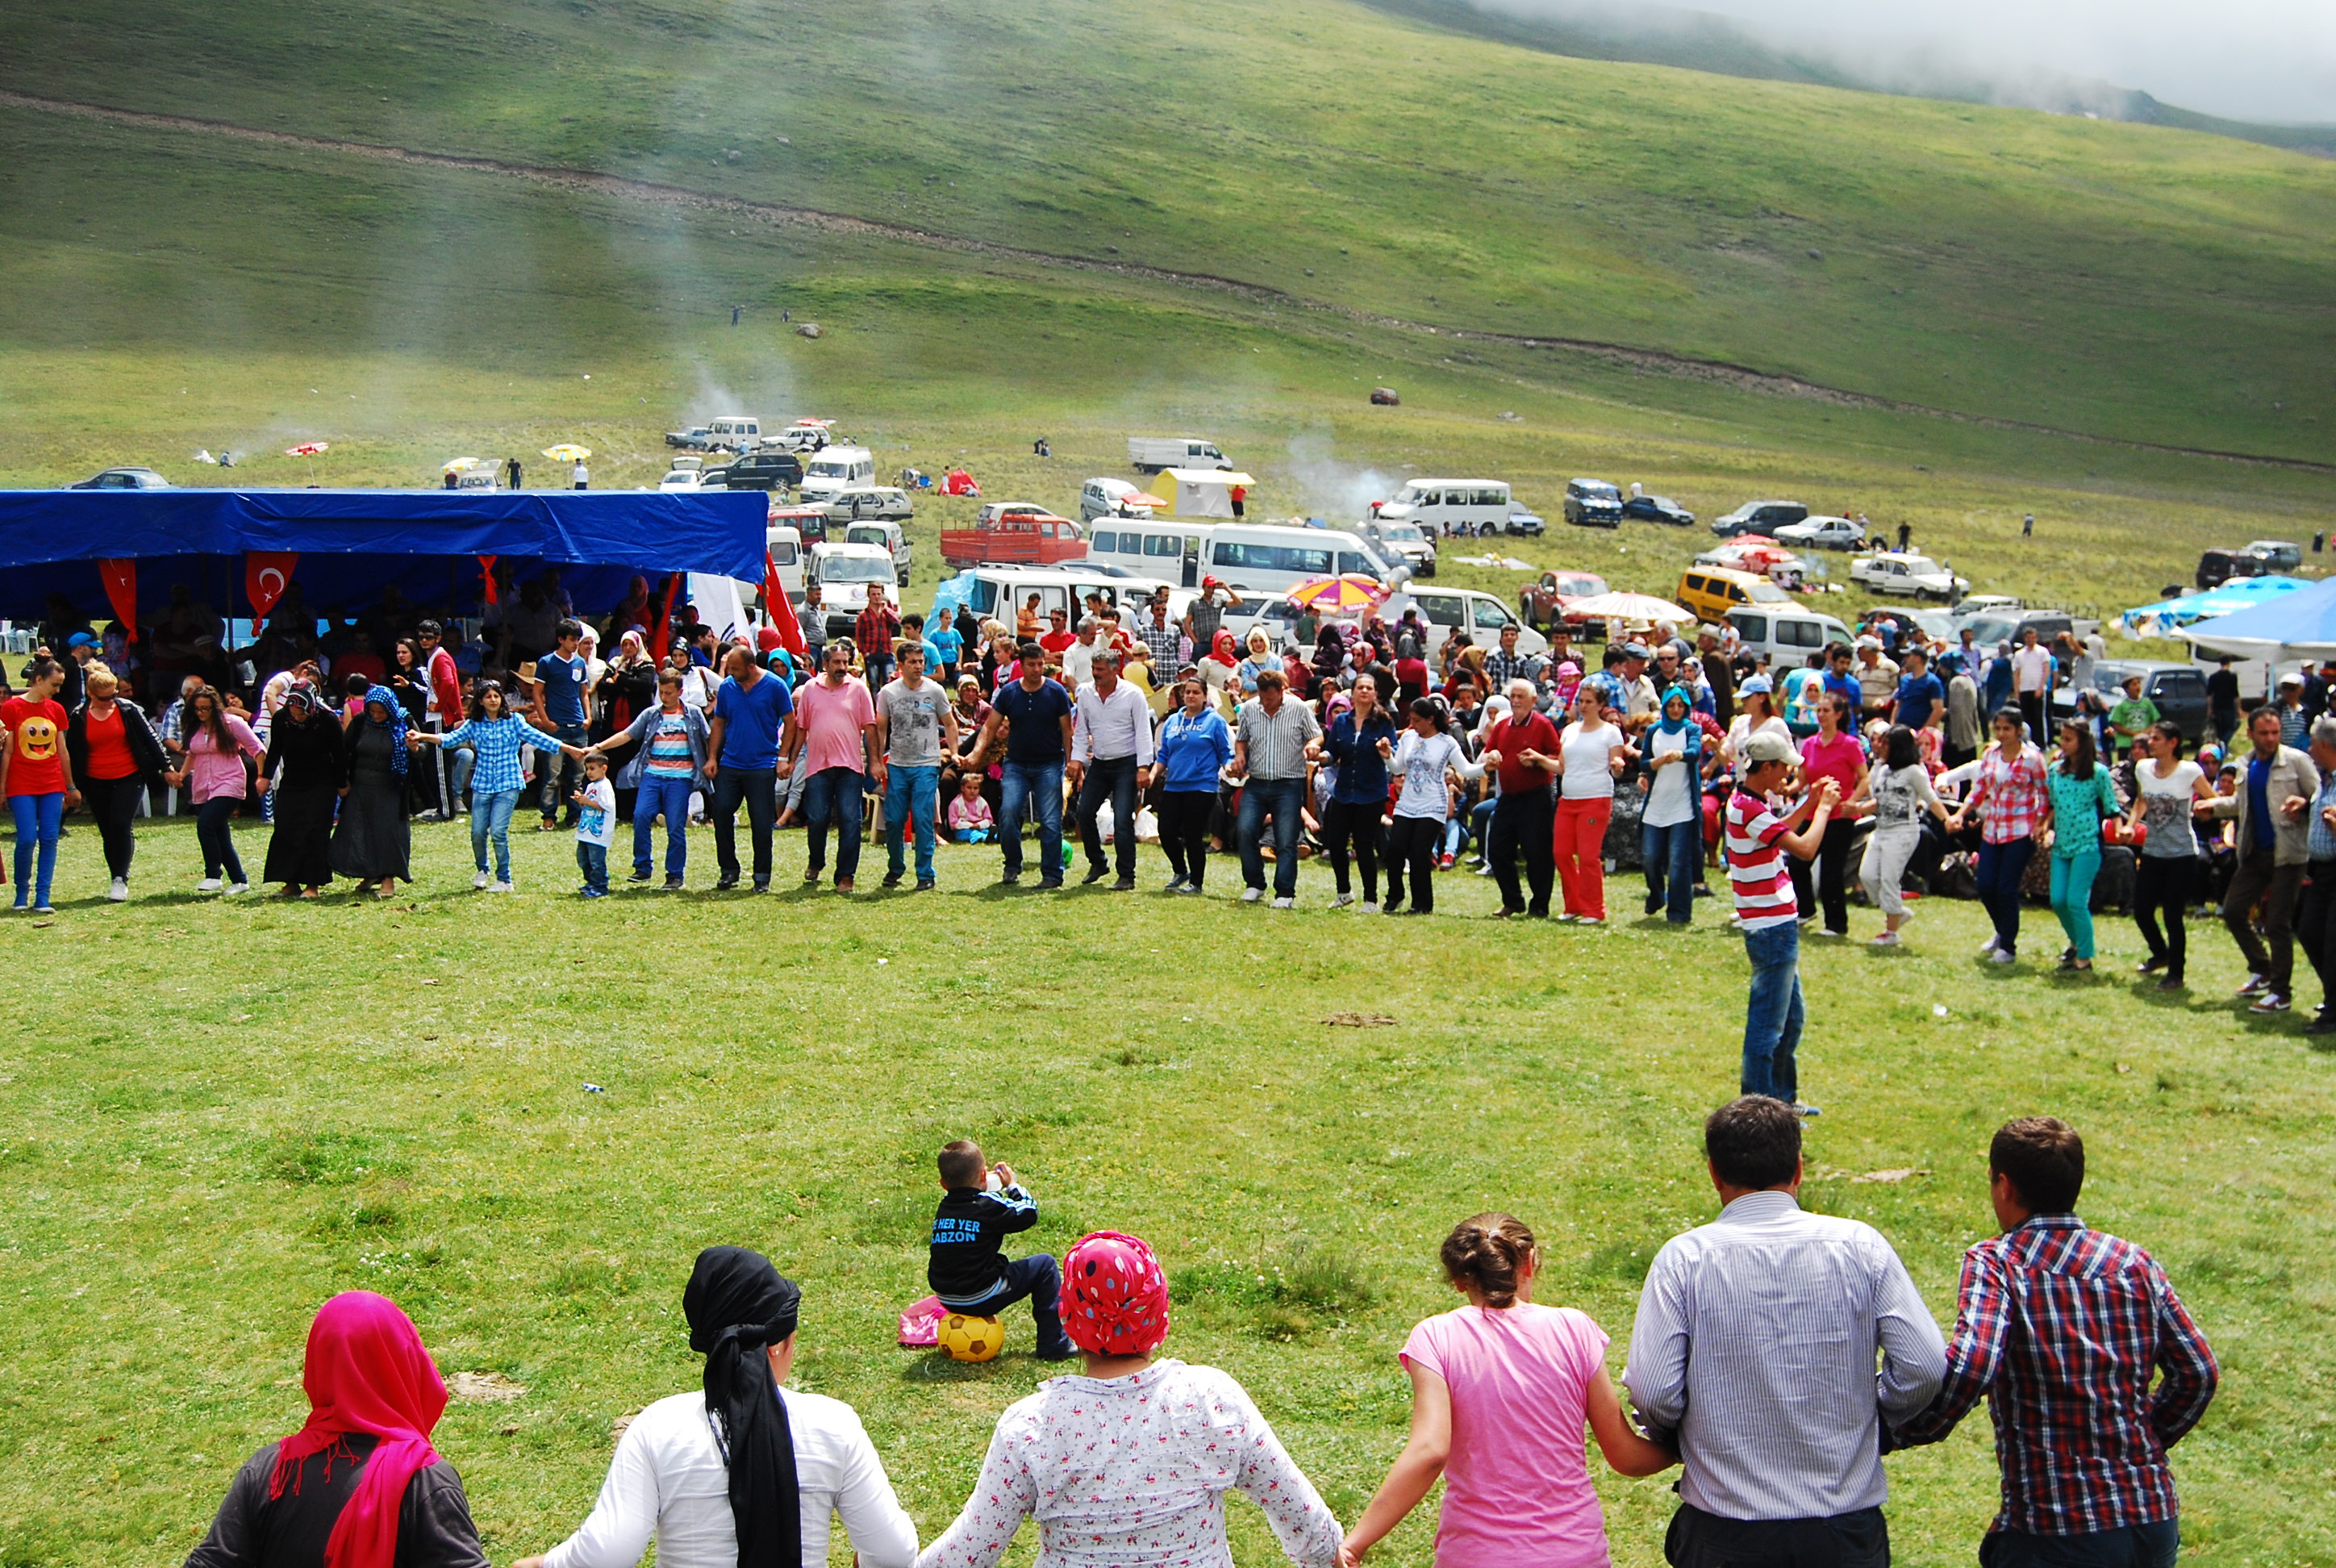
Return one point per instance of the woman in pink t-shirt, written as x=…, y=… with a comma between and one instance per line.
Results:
x=1500, y=1391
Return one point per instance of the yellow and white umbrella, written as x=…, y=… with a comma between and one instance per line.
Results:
x=568, y=452
x=1347, y=595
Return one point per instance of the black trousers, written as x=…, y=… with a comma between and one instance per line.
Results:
x=1527, y=819
x=2162, y=885
x=1413, y=841
x=2315, y=924
x=2261, y=877
x=1830, y=871
x=757, y=790
x=1184, y=831
x=1113, y=776
x=1355, y=822
x=114, y=802
x=1700, y=1539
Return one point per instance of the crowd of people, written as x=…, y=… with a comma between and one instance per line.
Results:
x=1776, y=1356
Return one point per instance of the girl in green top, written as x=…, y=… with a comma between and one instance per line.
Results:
x=2078, y=793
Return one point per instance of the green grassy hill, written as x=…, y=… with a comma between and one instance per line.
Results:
x=2112, y=279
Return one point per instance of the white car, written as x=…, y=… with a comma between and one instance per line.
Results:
x=1477, y=615
x=844, y=573
x=682, y=478
x=1917, y=576
x=1823, y=533
x=805, y=436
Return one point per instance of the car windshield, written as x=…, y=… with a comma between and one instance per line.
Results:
x=1990, y=630
x=1598, y=490
x=1403, y=533
x=854, y=568
x=1766, y=592
x=1664, y=501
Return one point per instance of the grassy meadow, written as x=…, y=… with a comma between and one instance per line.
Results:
x=217, y=1112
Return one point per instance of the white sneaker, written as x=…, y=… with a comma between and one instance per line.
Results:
x=235, y=888
x=2001, y=957
x=1342, y=900
x=118, y=893
x=209, y=885
x=1252, y=895
x=1285, y=903
x=1988, y=949
x=498, y=887
x=481, y=881
x=1590, y=920
x=1886, y=939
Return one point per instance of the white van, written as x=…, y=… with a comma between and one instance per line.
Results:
x=736, y=432
x=1108, y=498
x=1151, y=453
x=845, y=572
x=785, y=548
x=887, y=537
x=997, y=592
x=1440, y=506
x=1786, y=636
x=1162, y=549
x=835, y=469
x=1256, y=559
x=1478, y=616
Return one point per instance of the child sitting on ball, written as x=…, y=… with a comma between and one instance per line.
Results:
x=983, y=1204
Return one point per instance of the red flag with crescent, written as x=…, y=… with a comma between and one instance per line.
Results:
x=781, y=610
x=121, y=592
x=267, y=573
x=487, y=575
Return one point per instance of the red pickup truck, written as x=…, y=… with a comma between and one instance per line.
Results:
x=1015, y=533
x=1545, y=600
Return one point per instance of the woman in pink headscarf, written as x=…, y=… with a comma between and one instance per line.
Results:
x=358, y=1486
x=1127, y=1467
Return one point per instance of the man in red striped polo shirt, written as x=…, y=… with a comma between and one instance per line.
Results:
x=1757, y=840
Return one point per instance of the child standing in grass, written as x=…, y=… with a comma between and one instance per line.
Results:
x=596, y=825
x=981, y=1206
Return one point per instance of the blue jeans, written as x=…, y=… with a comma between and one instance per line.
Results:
x=459, y=768
x=213, y=832
x=833, y=795
x=1025, y=788
x=1039, y=1278
x=670, y=796
x=2000, y=867
x=39, y=819
x=1670, y=855
x=2134, y=1546
x=1285, y=798
x=911, y=794
x=593, y=860
x=2072, y=896
x=1775, y=1015
x=1116, y=777
x=491, y=816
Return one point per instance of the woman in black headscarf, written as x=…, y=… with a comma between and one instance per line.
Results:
x=304, y=762
x=740, y=1473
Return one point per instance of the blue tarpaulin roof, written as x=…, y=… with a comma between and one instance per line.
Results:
x=352, y=541
x=2293, y=625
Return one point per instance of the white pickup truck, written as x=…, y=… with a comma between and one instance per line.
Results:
x=1917, y=576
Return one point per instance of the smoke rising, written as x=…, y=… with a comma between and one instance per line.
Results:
x=1338, y=492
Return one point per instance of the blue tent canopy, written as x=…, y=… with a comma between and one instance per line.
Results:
x=2292, y=626
x=353, y=542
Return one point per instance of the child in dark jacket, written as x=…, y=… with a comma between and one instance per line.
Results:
x=970, y=1271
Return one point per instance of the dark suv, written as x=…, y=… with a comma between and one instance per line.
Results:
x=1592, y=504
x=2179, y=690
x=759, y=471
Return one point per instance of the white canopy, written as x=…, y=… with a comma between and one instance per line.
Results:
x=1205, y=492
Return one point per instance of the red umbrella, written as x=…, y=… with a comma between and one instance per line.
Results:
x=310, y=450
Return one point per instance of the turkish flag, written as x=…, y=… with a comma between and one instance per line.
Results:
x=267, y=573
x=121, y=592
x=780, y=610
x=487, y=576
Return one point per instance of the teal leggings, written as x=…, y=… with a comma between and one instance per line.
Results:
x=2072, y=896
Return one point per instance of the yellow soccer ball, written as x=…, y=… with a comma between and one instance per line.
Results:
x=965, y=1337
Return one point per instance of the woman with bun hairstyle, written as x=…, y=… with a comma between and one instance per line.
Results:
x=1129, y=1464
x=1501, y=1389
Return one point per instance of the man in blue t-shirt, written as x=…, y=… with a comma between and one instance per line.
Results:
x=564, y=707
x=742, y=745
x=1920, y=693
x=1036, y=714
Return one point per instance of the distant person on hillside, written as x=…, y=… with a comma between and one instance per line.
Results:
x=2027, y=526
x=511, y=472
x=580, y=477
x=2053, y=1318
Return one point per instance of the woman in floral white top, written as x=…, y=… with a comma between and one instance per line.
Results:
x=1128, y=1466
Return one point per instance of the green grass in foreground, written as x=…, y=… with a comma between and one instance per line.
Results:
x=217, y=1113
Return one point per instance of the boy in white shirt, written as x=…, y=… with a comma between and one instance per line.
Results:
x=596, y=825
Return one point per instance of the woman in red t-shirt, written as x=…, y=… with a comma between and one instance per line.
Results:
x=1835, y=753
x=112, y=750
x=37, y=776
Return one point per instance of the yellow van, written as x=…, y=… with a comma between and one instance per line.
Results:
x=1712, y=591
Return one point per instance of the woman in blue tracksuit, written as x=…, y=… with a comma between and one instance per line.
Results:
x=673, y=739
x=1193, y=749
x=497, y=735
x=1359, y=742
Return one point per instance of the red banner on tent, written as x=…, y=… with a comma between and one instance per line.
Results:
x=121, y=592
x=487, y=576
x=780, y=610
x=267, y=573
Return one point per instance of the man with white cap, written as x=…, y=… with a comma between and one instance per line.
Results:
x=1765, y=911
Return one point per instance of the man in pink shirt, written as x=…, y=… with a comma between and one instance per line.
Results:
x=830, y=735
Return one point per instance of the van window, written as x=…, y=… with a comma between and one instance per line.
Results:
x=1696, y=585
x=1349, y=560
x=1285, y=558
x=1751, y=627
x=1166, y=545
x=1131, y=544
x=1431, y=498
x=1104, y=541
x=1489, y=613
x=783, y=552
x=1490, y=497
x=1800, y=634
x=1441, y=608
x=983, y=599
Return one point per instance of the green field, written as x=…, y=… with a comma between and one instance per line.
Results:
x=218, y=1113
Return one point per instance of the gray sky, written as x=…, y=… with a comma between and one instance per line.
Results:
x=2264, y=60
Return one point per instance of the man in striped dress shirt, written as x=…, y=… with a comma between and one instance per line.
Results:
x=2062, y=1328
x=1758, y=841
x=1770, y=1347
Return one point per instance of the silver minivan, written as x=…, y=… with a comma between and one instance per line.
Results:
x=1787, y=636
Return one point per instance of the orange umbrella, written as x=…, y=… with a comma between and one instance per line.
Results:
x=1345, y=595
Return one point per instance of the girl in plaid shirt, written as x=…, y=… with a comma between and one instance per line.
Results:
x=2010, y=785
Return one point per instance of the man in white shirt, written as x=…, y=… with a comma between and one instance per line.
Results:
x=1755, y=1355
x=2031, y=683
x=1111, y=744
x=713, y=1474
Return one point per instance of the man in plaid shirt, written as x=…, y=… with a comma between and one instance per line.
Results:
x=876, y=629
x=2062, y=1328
